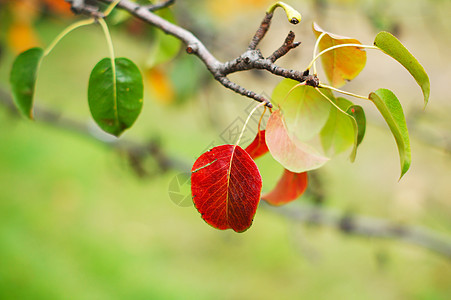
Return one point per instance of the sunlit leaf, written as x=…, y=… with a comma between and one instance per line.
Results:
x=226, y=186
x=289, y=187
x=305, y=110
x=115, y=101
x=339, y=132
x=258, y=146
x=23, y=79
x=393, y=47
x=390, y=108
x=287, y=149
x=341, y=64
x=165, y=47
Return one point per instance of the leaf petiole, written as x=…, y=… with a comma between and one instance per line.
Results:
x=67, y=31
x=261, y=118
x=113, y=63
x=342, y=92
x=312, y=63
x=247, y=121
x=315, y=49
x=110, y=8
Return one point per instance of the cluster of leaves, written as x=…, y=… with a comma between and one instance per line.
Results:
x=309, y=126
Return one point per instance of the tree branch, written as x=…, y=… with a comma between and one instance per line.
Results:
x=251, y=59
x=366, y=226
x=161, y=5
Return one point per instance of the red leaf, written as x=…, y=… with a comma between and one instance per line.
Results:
x=226, y=186
x=258, y=146
x=289, y=187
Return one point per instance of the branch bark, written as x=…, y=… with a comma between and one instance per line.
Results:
x=250, y=59
x=366, y=226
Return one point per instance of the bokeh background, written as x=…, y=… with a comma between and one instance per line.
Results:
x=85, y=216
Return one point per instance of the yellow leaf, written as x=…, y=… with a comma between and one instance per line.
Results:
x=341, y=64
x=160, y=85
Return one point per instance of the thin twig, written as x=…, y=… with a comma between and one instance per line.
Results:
x=287, y=46
x=261, y=31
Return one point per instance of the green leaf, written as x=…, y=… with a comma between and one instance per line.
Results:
x=393, y=47
x=339, y=132
x=305, y=110
x=115, y=101
x=341, y=64
x=357, y=113
x=23, y=79
x=165, y=47
x=390, y=108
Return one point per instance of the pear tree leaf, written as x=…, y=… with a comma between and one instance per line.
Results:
x=115, y=100
x=305, y=110
x=356, y=111
x=338, y=134
x=341, y=64
x=23, y=79
x=394, y=48
x=390, y=108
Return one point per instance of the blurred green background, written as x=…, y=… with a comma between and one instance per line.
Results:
x=76, y=222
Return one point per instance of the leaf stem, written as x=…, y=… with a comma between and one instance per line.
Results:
x=333, y=48
x=113, y=63
x=331, y=102
x=343, y=92
x=261, y=118
x=67, y=31
x=315, y=49
x=110, y=8
x=247, y=121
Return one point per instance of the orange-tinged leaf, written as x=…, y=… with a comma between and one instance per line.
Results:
x=226, y=186
x=289, y=187
x=258, y=146
x=160, y=85
x=288, y=150
x=21, y=36
x=341, y=64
